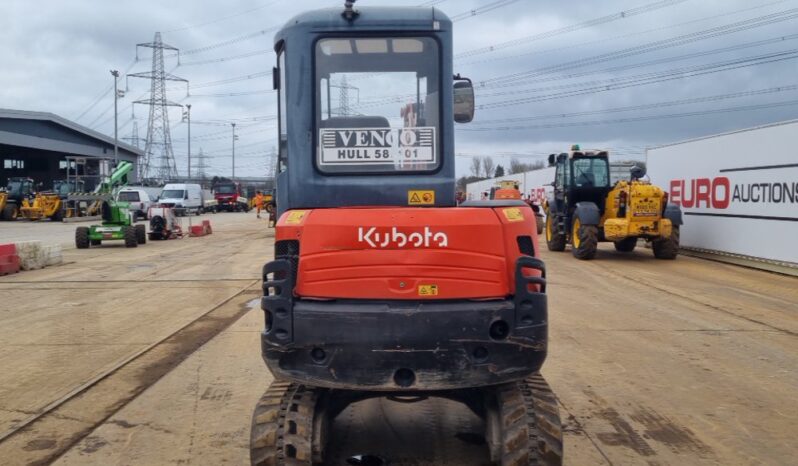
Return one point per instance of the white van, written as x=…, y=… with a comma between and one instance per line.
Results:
x=138, y=198
x=183, y=197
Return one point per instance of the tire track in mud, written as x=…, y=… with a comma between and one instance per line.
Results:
x=47, y=435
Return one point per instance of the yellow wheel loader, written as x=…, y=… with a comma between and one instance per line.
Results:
x=44, y=205
x=586, y=209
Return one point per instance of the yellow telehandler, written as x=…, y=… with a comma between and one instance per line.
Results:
x=586, y=208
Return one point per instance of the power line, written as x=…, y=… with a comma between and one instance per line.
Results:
x=228, y=58
x=639, y=65
x=481, y=10
x=652, y=46
x=614, y=38
x=650, y=78
x=712, y=98
x=108, y=90
x=571, y=28
x=636, y=119
x=218, y=20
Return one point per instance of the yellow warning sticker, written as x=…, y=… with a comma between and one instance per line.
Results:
x=415, y=197
x=513, y=214
x=428, y=290
x=295, y=217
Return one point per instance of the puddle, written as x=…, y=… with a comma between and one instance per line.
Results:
x=365, y=460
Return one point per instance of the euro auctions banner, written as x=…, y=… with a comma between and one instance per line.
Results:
x=738, y=191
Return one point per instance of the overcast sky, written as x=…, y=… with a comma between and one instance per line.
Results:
x=536, y=64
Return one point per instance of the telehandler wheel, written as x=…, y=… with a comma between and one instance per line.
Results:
x=10, y=212
x=523, y=424
x=288, y=428
x=584, y=240
x=141, y=234
x=554, y=239
x=82, y=238
x=626, y=244
x=130, y=237
x=667, y=248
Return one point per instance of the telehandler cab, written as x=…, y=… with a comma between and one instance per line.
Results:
x=381, y=285
x=586, y=208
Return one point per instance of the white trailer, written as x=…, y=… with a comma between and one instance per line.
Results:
x=532, y=184
x=738, y=191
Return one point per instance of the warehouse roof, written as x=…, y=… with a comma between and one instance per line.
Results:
x=48, y=143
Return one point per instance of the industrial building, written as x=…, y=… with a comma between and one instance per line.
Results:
x=45, y=147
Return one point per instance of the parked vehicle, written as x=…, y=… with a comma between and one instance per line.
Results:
x=586, y=208
x=117, y=219
x=11, y=197
x=183, y=197
x=230, y=196
x=64, y=187
x=137, y=198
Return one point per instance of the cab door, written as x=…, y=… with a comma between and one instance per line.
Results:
x=561, y=184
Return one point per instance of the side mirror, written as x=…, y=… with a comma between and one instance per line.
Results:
x=463, y=100
x=551, y=159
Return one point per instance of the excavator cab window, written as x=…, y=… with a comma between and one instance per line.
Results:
x=378, y=104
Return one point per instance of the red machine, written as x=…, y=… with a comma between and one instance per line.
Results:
x=230, y=196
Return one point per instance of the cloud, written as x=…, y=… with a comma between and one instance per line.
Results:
x=57, y=56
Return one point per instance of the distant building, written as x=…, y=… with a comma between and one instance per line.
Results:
x=37, y=145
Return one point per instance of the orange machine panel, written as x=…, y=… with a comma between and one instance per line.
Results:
x=406, y=253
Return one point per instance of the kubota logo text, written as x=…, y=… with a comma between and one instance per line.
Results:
x=394, y=238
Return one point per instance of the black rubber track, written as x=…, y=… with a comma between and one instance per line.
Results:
x=626, y=244
x=529, y=424
x=588, y=242
x=667, y=248
x=282, y=426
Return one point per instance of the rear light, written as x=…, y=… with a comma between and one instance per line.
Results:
x=622, y=200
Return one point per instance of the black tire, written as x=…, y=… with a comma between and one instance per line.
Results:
x=283, y=427
x=555, y=240
x=141, y=234
x=58, y=216
x=667, y=248
x=626, y=244
x=130, y=237
x=10, y=212
x=96, y=242
x=584, y=240
x=524, y=424
x=82, y=238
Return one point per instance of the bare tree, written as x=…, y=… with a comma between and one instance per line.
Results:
x=488, y=166
x=516, y=166
x=476, y=166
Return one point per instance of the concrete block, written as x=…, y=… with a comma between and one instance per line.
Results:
x=31, y=255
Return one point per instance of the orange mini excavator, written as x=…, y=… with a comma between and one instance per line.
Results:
x=381, y=285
